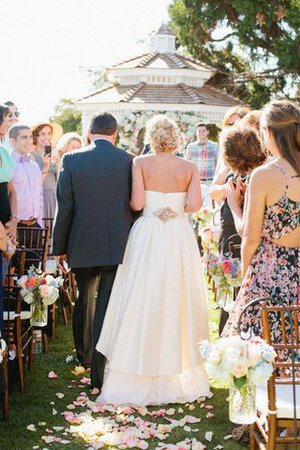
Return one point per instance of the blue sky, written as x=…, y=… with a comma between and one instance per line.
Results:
x=44, y=43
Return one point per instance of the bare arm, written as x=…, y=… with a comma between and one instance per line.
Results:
x=3, y=238
x=218, y=188
x=194, y=198
x=11, y=225
x=254, y=216
x=137, y=201
x=235, y=197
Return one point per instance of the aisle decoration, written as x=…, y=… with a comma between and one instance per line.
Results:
x=39, y=290
x=226, y=272
x=240, y=366
x=203, y=217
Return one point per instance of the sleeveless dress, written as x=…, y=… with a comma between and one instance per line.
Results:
x=274, y=270
x=157, y=312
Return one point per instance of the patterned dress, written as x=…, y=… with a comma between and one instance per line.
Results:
x=274, y=270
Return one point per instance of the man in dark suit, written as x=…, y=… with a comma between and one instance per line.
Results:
x=91, y=228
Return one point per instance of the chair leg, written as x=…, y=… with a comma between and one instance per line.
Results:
x=20, y=355
x=5, y=392
x=252, y=437
x=30, y=350
x=63, y=309
x=45, y=342
x=272, y=433
x=53, y=312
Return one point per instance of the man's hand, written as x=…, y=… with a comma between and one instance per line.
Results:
x=60, y=262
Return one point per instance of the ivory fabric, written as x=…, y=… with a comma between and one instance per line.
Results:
x=157, y=312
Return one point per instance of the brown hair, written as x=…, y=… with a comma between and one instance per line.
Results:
x=36, y=131
x=242, y=149
x=282, y=117
x=252, y=119
x=241, y=111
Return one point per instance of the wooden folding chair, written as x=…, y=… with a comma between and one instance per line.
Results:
x=278, y=403
x=18, y=329
x=4, y=379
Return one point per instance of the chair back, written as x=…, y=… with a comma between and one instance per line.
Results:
x=35, y=243
x=48, y=223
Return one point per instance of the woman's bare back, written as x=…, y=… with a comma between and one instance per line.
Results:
x=165, y=172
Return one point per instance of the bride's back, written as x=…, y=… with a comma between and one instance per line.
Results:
x=165, y=172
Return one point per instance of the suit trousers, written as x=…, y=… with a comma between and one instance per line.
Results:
x=94, y=288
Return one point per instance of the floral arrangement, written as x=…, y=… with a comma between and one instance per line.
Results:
x=240, y=366
x=210, y=239
x=234, y=361
x=132, y=123
x=39, y=290
x=226, y=273
x=203, y=218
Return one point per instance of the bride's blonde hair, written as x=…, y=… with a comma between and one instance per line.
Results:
x=162, y=134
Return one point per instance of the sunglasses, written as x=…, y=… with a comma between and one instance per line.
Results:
x=16, y=114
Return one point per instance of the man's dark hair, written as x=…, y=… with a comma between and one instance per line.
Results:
x=103, y=123
x=4, y=110
x=200, y=124
x=9, y=103
x=15, y=130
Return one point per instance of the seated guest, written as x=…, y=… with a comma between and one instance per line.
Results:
x=271, y=229
x=27, y=178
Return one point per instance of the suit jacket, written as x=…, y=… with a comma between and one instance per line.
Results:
x=93, y=216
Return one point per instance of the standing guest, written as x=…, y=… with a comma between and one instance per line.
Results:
x=13, y=117
x=8, y=199
x=68, y=143
x=271, y=236
x=204, y=154
x=27, y=178
x=43, y=139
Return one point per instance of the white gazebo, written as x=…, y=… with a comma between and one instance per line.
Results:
x=158, y=81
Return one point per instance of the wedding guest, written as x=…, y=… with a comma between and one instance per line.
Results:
x=271, y=237
x=8, y=199
x=43, y=139
x=13, y=117
x=27, y=178
x=252, y=119
x=203, y=153
x=69, y=142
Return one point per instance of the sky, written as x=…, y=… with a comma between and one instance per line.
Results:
x=44, y=44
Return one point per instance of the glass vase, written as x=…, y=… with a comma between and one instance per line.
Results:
x=39, y=314
x=242, y=404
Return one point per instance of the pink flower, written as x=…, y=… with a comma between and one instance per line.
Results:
x=226, y=266
x=31, y=282
x=45, y=291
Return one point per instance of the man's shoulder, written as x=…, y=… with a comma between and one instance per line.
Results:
x=213, y=144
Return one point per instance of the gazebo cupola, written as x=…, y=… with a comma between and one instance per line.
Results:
x=162, y=40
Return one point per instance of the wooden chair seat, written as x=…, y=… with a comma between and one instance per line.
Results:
x=11, y=315
x=284, y=401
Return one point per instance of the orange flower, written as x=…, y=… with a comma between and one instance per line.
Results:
x=31, y=282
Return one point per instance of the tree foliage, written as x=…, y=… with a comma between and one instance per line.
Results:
x=254, y=44
x=67, y=116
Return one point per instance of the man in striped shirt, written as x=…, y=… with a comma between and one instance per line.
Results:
x=204, y=154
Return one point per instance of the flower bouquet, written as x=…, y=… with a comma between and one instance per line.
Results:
x=226, y=273
x=203, y=218
x=39, y=290
x=240, y=366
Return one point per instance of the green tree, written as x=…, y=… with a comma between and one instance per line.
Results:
x=66, y=114
x=254, y=44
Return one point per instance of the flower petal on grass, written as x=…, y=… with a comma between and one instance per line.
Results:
x=52, y=375
x=60, y=395
x=229, y=436
x=31, y=427
x=209, y=435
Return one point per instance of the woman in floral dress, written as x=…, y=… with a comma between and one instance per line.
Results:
x=271, y=237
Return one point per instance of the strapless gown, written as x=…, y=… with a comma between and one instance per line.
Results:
x=157, y=312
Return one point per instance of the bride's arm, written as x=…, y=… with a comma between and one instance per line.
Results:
x=137, y=201
x=194, y=198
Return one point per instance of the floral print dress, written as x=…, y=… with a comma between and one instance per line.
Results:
x=274, y=270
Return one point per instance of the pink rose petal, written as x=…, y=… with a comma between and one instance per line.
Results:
x=52, y=375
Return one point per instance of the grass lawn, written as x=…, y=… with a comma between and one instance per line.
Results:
x=41, y=407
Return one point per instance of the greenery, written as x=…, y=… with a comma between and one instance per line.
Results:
x=66, y=115
x=35, y=405
x=253, y=44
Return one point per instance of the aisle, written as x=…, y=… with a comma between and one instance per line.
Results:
x=57, y=413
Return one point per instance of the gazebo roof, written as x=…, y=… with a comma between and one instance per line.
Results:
x=160, y=93
x=166, y=60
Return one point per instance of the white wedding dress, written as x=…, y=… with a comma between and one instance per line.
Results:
x=157, y=312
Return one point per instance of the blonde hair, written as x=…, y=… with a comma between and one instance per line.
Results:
x=241, y=111
x=65, y=140
x=252, y=119
x=162, y=134
x=282, y=117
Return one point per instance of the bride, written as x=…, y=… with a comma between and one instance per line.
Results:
x=157, y=312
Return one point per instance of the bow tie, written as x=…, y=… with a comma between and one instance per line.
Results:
x=25, y=159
